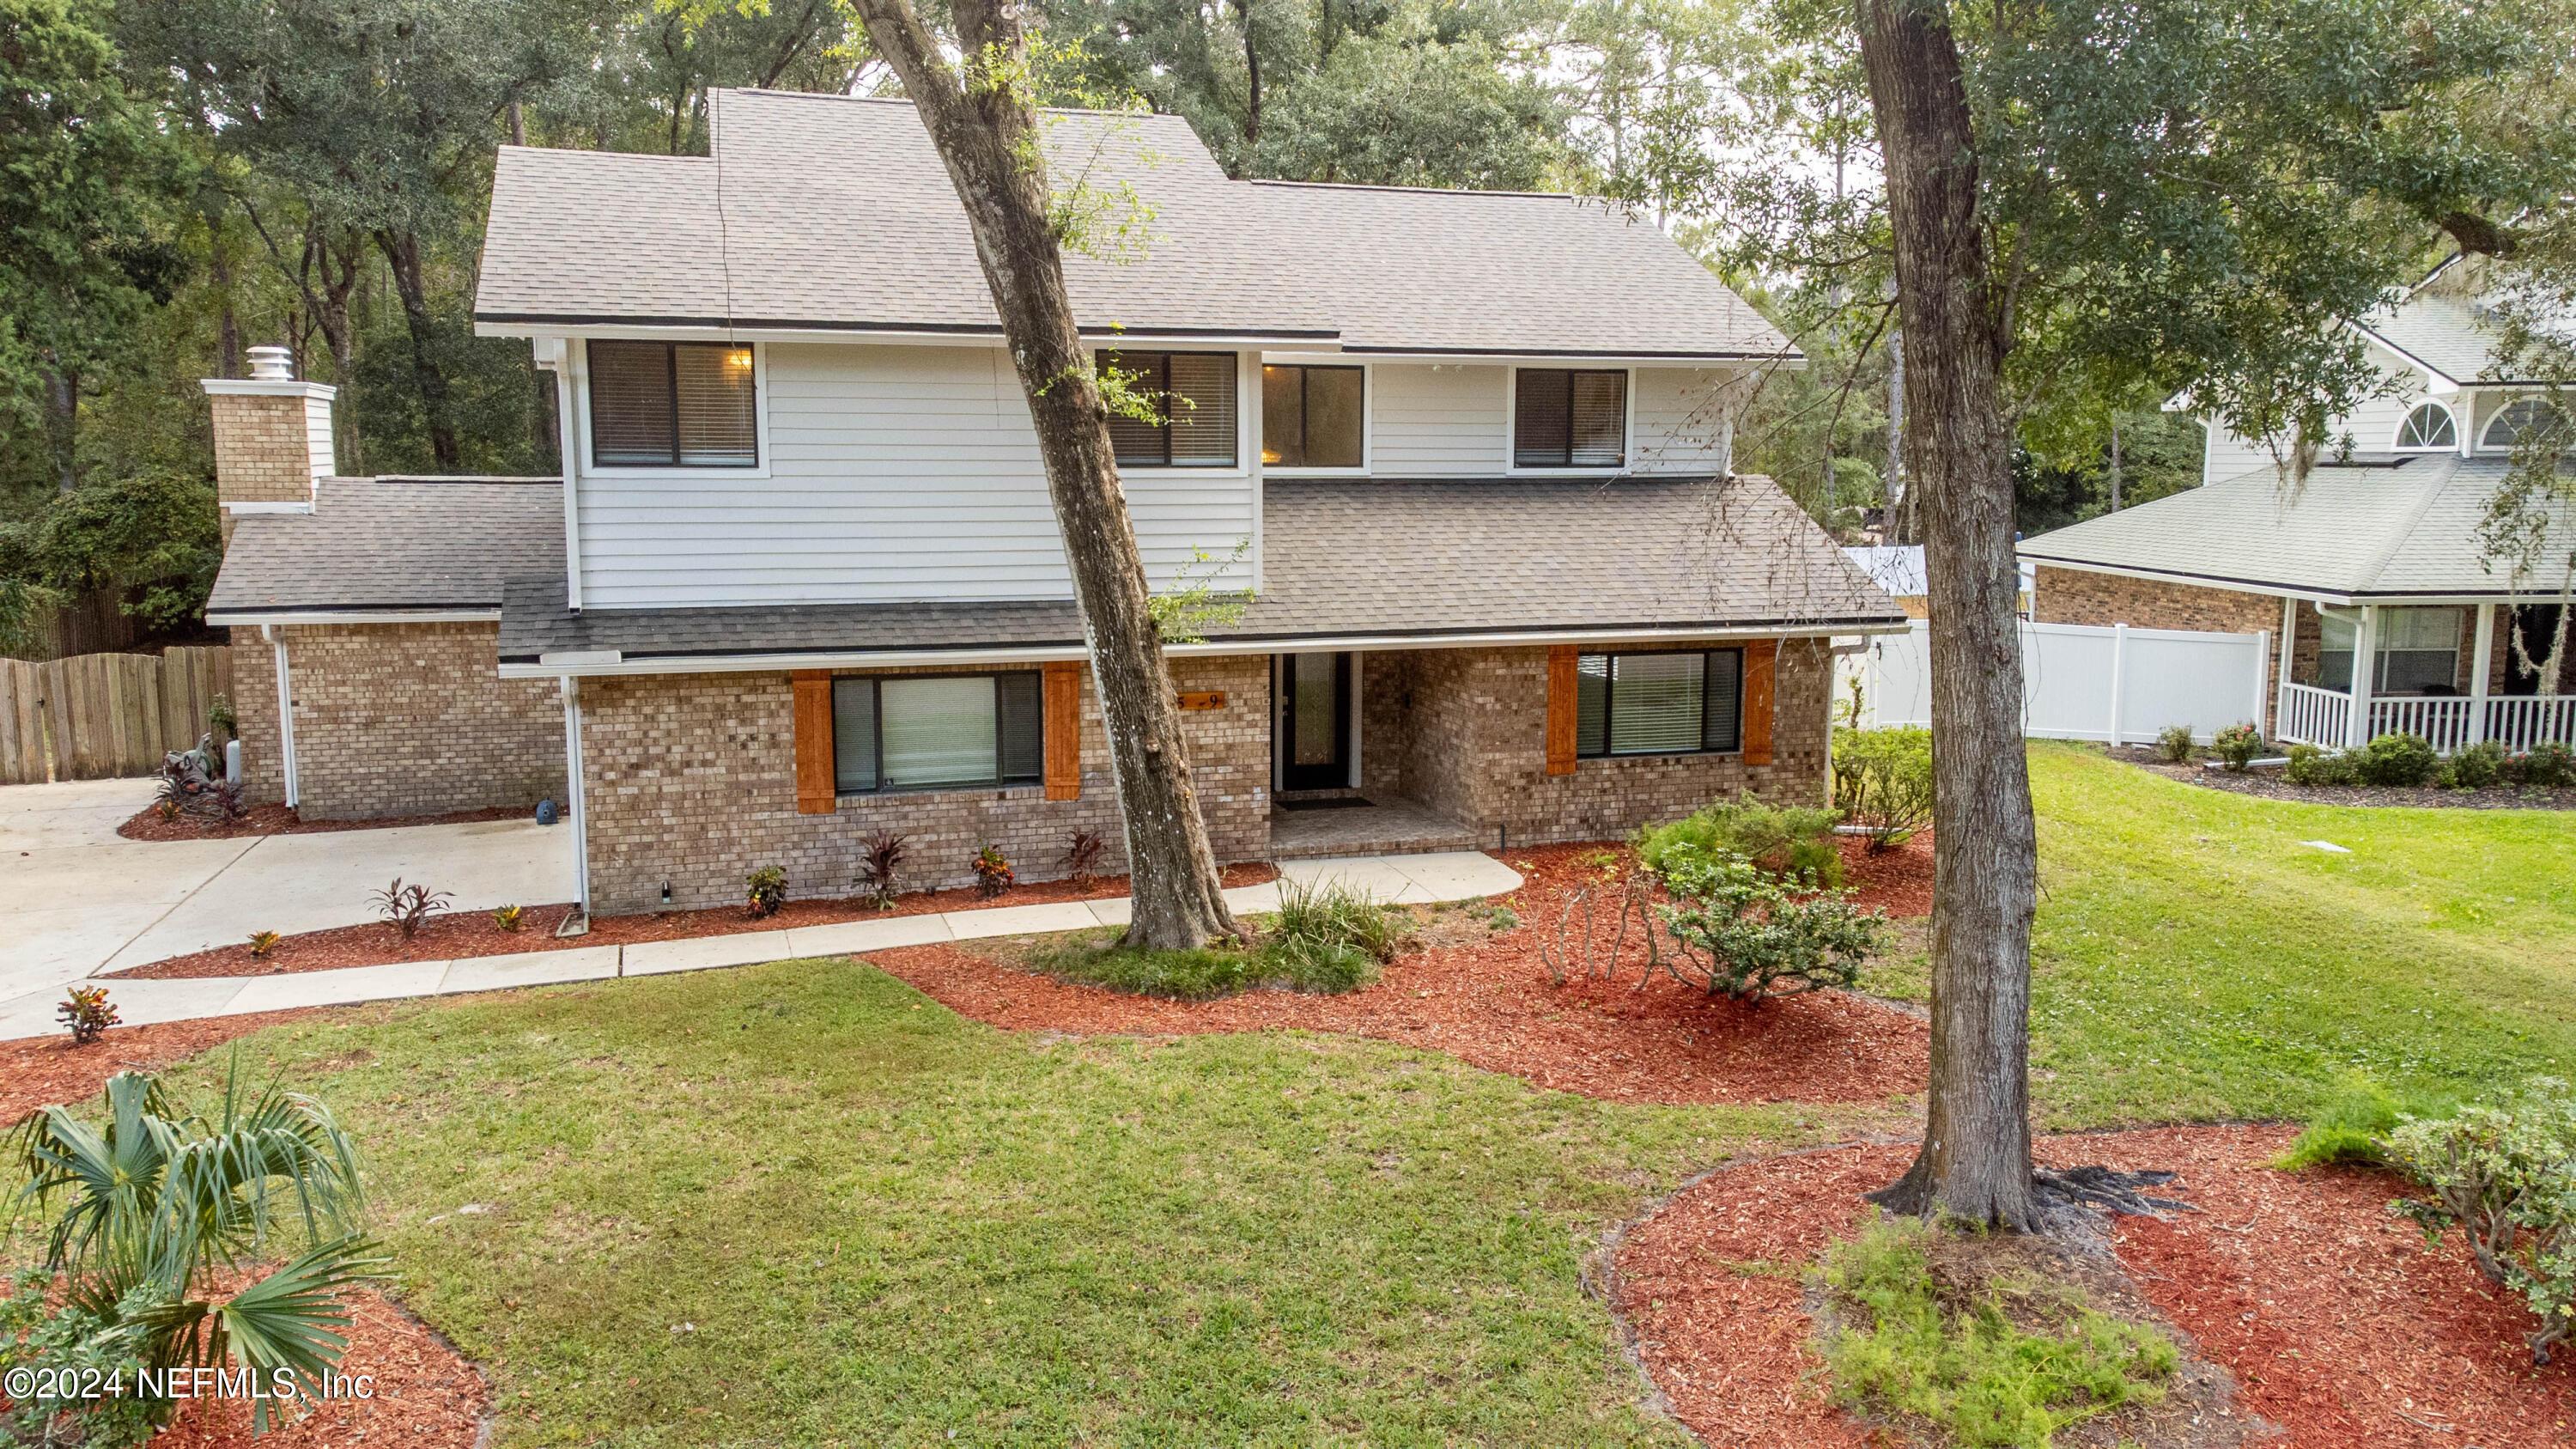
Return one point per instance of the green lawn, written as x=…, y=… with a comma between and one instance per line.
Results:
x=886, y=1223
x=2194, y=960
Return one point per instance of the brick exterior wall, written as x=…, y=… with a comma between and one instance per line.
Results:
x=1464, y=732
x=690, y=779
x=397, y=719
x=2073, y=596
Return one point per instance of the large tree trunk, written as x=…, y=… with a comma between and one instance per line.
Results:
x=987, y=136
x=1975, y=1162
x=402, y=254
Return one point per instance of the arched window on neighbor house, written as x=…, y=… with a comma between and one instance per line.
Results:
x=2509, y=425
x=2428, y=429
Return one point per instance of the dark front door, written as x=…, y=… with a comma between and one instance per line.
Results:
x=1315, y=720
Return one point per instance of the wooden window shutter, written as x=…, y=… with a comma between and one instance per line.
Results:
x=1761, y=658
x=814, y=777
x=1062, y=705
x=1561, y=707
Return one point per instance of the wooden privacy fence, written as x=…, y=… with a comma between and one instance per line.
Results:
x=93, y=716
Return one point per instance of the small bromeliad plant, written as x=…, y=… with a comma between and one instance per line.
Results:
x=85, y=1010
x=406, y=907
x=263, y=944
x=159, y=1249
x=993, y=873
x=764, y=891
x=879, y=859
x=2237, y=745
x=510, y=919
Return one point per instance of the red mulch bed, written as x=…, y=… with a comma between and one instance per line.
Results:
x=147, y=823
x=424, y=1393
x=2336, y=1324
x=1897, y=880
x=1486, y=999
x=471, y=933
x=45, y=1071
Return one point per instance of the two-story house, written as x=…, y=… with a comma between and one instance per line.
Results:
x=801, y=582
x=2372, y=571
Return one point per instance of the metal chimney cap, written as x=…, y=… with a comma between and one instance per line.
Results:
x=272, y=364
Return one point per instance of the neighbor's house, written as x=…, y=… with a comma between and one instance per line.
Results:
x=2375, y=558
x=801, y=581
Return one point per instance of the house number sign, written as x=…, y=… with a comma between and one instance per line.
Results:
x=1203, y=699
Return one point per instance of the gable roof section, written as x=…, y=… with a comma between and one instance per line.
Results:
x=835, y=213
x=1350, y=559
x=392, y=545
x=2401, y=530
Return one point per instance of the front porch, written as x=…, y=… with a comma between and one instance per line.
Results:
x=1306, y=827
x=2409, y=685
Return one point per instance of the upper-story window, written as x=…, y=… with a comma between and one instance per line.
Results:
x=1312, y=417
x=2428, y=429
x=1567, y=418
x=2506, y=428
x=673, y=405
x=1194, y=393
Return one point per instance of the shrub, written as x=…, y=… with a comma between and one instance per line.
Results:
x=512, y=919
x=2352, y=1126
x=2476, y=767
x=1883, y=782
x=1917, y=1342
x=2238, y=744
x=2549, y=765
x=2174, y=745
x=153, y=1207
x=2310, y=765
x=1785, y=840
x=50, y=1351
x=993, y=873
x=879, y=859
x=1082, y=852
x=405, y=907
x=85, y=1010
x=1738, y=931
x=263, y=942
x=765, y=890
x=2505, y=1172
x=2397, y=760
x=220, y=716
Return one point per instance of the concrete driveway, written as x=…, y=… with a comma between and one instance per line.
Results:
x=76, y=898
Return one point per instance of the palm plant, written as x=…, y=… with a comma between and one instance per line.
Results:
x=151, y=1210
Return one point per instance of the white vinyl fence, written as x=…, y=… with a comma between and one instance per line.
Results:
x=2083, y=682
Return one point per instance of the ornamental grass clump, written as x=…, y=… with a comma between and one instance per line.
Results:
x=1326, y=940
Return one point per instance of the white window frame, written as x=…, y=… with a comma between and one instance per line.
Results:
x=2487, y=424
x=1368, y=419
x=759, y=418
x=1247, y=409
x=1511, y=421
x=2398, y=444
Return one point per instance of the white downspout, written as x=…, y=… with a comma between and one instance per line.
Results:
x=575, y=797
x=285, y=716
x=2478, y=670
x=2365, y=663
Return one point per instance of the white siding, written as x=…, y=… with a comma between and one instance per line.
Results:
x=1437, y=420
x=317, y=436
x=1679, y=420
x=893, y=473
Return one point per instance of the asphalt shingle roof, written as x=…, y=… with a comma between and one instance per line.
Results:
x=834, y=212
x=2402, y=529
x=394, y=544
x=1359, y=557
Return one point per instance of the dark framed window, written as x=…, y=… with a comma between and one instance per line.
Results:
x=1312, y=417
x=673, y=405
x=1194, y=392
x=1669, y=702
x=1565, y=418
x=937, y=731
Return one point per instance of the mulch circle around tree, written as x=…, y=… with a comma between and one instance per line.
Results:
x=147, y=824
x=2267, y=784
x=2335, y=1322
x=459, y=935
x=1485, y=997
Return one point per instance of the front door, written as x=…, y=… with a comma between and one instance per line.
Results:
x=1314, y=721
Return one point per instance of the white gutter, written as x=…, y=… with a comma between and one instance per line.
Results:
x=608, y=662
x=265, y=618
x=285, y=715
x=700, y=332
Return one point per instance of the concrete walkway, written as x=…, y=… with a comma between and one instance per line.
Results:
x=77, y=898
x=1399, y=879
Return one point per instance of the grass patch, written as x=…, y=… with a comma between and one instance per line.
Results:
x=1326, y=941
x=2354, y=1123
x=2193, y=960
x=1986, y=1356
x=884, y=1223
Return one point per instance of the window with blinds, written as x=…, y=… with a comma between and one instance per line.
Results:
x=937, y=732
x=673, y=405
x=1193, y=394
x=1564, y=418
x=1666, y=703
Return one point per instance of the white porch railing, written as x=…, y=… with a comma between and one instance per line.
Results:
x=2313, y=716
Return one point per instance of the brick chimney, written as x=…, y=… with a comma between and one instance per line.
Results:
x=272, y=438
